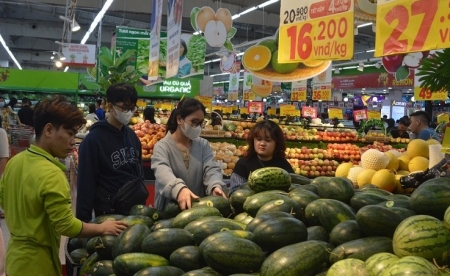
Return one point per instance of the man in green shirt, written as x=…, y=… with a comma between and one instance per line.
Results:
x=35, y=195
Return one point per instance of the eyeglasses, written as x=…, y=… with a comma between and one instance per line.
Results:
x=195, y=123
x=126, y=109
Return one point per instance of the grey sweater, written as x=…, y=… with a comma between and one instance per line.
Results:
x=171, y=174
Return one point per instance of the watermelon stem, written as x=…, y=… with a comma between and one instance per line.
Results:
x=441, y=268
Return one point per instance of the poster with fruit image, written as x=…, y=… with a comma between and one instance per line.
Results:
x=403, y=65
x=174, y=54
x=247, y=93
x=155, y=32
x=217, y=26
x=261, y=87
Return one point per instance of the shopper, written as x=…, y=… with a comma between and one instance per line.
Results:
x=402, y=127
x=419, y=126
x=183, y=162
x=91, y=116
x=9, y=116
x=266, y=148
x=149, y=114
x=4, y=156
x=109, y=156
x=37, y=199
x=99, y=109
x=26, y=113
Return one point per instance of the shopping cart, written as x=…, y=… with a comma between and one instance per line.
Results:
x=20, y=138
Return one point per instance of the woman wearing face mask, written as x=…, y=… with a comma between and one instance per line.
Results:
x=183, y=162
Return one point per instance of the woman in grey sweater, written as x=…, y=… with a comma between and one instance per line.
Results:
x=183, y=162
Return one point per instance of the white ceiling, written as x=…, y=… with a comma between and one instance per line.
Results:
x=30, y=28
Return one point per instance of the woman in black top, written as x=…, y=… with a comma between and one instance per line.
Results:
x=266, y=148
x=149, y=114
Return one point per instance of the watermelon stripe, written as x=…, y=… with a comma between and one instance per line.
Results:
x=412, y=265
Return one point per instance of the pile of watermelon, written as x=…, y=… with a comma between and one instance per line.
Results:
x=281, y=224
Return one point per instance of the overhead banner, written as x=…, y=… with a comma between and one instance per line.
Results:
x=171, y=88
x=155, y=32
x=234, y=82
x=247, y=94
x=316, y=30
x=81, y=55
x=298, y=90
x=174, y=16
x=374, y=80
x=405, y=26
x=322, y=86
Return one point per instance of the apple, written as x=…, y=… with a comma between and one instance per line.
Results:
x=392, y=63
x=412, y=60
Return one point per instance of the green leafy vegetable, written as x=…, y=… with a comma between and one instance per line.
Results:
x=196, y=52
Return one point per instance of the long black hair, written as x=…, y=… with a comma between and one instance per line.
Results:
x=263, y=128
x=12, y=102
x=149, y=114
x=185, y=108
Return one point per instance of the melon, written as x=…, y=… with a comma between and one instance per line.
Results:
x=365, y=177
x=395, y=152
x=393, y=161
x=348, y=267
x=343, y=169
x=403, y=172
x=367, y=6
x=418, y=163
x=384, y=179
x=417, y=147
x=353, y=174
x=374, y=159
x=377, y=263
x=403, y=162
x=433, y=142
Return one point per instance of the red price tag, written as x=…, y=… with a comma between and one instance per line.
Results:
x=405, y=26
x=321, y=95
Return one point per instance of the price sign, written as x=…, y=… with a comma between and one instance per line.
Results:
x=166, y=106
x=373, y=114
x=288, y=109
x=271, y=111
x=232, y=96
x=141, y=103
x=243, y=110
x=315, y=29
x=227, y=109
x=248, y=96
x=405, y=26
x=297, y=96
x=335, y=113
x=206, y=101
x=217, y=107
x=321, y=95
x=256, y=107
x=443, y=118
x=359, y=115
x=309, y=112
x=425, y=94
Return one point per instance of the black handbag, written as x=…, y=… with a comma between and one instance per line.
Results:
x=131, y=193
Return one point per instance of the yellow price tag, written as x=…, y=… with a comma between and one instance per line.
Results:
x=443, y=118
x=323, y=95
x=248, y=96
x=206, y=101
x=405, y=26
x=232, y=96
x=272, y=111
x=315, y=29
x=157, y=105
x=141, y=103
x=244, y=110
x=227, y=109
x=297, y=96
x=217, y=107
x=166, y=106
x=373, y=114
x=287, y=109
x=335, y=113
x=425, y=94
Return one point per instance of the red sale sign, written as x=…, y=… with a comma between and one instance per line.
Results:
x=359, y=115
x=309, y=112
x=256, y=107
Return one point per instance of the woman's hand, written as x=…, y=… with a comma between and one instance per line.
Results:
x=185, y=197
x=217, y=191
x=112, y=227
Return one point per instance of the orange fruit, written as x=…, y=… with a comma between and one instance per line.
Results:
x=256, y=58
x=313, y=63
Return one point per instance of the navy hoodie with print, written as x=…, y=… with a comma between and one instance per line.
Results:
x=107, y=159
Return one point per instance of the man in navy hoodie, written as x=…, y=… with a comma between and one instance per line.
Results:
x=109, y=156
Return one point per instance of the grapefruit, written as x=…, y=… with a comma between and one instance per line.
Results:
x=417, y=147
x=270, y=43
x=393, y=161
x=256, y=58
x=365, y=177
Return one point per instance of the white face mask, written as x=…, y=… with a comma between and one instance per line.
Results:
x=123, y=117
x=191, y=132
x=2, y=104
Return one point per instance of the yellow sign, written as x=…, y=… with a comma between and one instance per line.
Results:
x=322, y=95
x=206, y=101
x=232, y=96
x=217, y=107
x=335, y=113
x=405, y=26
x=425, y=94
x=227, y=109
x=443, y=118
x=248, y=96
x=373, y=114
x=166, y=106
x=446, y=141
x=141, y=103
x=272, y=111
x=244, y=110
x=157, y=105
x=315, y=29
x=288, y=109
x=298, y=96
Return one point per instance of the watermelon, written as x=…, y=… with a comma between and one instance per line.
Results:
x=330, y=212
x=238, y=197
x=103, y=218
x=90, y=245
x=345, y=231
x=104, y=246
x=299, y=179
x=337, y=188
x=360, y=200
x=130, y=263
x=164, y=241
x=196, y=223
x=447, y=218
x=243, y=218
x=160, y=270
x=189, y=215
x=251, y=226
x=130, y=240
x=210, y=227
x=412, y=265
x=138, y=219
x=303, y=258
x=269, y=178
x=242, y=234
x=88, y=265
x=432, y=198
x=403, y=203
x=377, y=263
x=422, y=236
x=222, y=204
x=256, y=201
x=361, y=249
x=102, y=268
x=79, y=255
x=206, y=271
x=286, y=205
x=187, y=258
x=353, y=267
x=403, y=212
x=317, y=233
x=308, y=187
x=160, y=224
x=172, y=209
x=303, y=196
x=374, y=220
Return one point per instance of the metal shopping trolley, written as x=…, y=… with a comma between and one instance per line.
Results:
x=20, y=138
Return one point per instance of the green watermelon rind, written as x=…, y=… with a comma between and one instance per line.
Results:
x=269, y=178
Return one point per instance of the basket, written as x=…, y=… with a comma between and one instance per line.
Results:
x=376, y=135
x=214, y=133
x=21, y=136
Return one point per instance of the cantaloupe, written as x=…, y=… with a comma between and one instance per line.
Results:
x=403, y=162
x=384, y=179
x=365, y=177
x=417, y=147
x=418, y=163
x=374, y=159
x=343, y=169
x=393, y=161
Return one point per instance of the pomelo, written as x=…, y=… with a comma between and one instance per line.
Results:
x=343, y=169
x=365, y=177
x=256, y=58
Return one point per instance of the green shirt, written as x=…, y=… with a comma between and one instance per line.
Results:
x=35, y=195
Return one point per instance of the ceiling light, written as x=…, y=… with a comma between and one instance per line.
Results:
x=58, y=64
x=237, y=100
x=370, y=51
x=264, y=100
x=62, y=57
x=384, y=90
x=96, y=20
x=248, y=10
x=66, y=69
x=364, y=25
x=374, y=99
x=74, y=26
x=267, y=3
x=52, y=57
x=226, y=100
x=337, y=71
x=374, y=27
x=345, y=99
x=361, y=66
x=9, y=52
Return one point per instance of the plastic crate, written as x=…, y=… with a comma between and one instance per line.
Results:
x=72, y=268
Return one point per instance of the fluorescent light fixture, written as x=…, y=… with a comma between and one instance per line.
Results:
x=248, y=10
x=350, y=67
x=9, y=52
x=209, y=61
x=97, y=19
x=384, y=90
x=264, y=100
x=52, y=57
x=240, y=54
x=66, y=69
x=374, y=27
x=370, y=51
x=378, y=65
x=196, y=33
x=337, y=71
x=361, y=66
x=58, y=64
x=222, y=74
x=235, y=16
x=237, y=100
x=345, y=99
x=364, y=25
x=226, y=100
x=267, y=3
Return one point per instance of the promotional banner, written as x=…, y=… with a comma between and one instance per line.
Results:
x=171, y=88
x=81, y=55
x=256, y=107
x=359, y=115
x=322, y=86
x=405, y=26
x=174, y=16
x=298, y=90
x=234, y=79
x=379, y=80
x=335, y=113
x=155, y=31
x=316, y=30
x=309, y=112
x=425, y=94
x=247, y=94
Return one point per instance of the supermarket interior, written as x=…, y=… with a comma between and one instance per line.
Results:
x=354, y=86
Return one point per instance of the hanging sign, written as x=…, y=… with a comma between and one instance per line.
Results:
x=315, y=30
x=155, y=40
x=288, y=109
x=405, y=26
x=243, y=110
x=256, y=107
x=206, y=101
x=298, y=90
x=174, y=16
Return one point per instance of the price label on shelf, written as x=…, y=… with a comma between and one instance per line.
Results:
x=248, y=96
x=297, y=96
x=227, y=109
x=272, y=111
x=359, y=115
x=316, y=29
x=309, y=112
x=405, y=26
x=425, y=94
x=373, y=114
x=141, y=103
x=206, y=101
x=335, y=113
x=288, y=109
x=166, y=106
x=243, y=110
x=321, y=95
